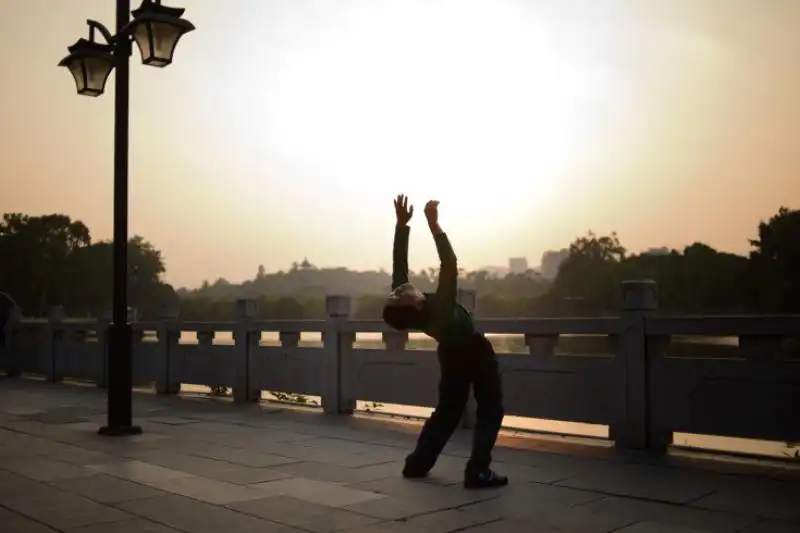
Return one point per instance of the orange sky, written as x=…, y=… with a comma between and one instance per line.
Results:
x=283, y=128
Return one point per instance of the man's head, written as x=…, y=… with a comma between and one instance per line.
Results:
x=403, y=309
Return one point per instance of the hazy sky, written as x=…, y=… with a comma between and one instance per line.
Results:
x=285, y=127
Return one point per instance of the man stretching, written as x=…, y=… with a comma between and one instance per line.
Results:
x=466, y=357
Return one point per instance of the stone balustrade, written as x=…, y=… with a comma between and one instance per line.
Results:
x=637, y=384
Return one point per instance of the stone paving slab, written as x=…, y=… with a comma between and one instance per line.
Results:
x=208, y=465
x=301, y=513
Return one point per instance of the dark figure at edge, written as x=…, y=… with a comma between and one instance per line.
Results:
x=7, y=307
x=466, y=357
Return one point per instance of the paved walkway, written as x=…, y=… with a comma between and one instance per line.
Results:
x=206, y=465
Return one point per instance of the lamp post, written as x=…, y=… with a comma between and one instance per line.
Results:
x=156, y=29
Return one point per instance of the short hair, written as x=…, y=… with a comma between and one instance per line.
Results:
x=402, y=317
x=403, y=289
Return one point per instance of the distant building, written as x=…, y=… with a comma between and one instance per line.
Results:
x=497, y=271
x=517, y=265
x=551, y=261
x=663, y=250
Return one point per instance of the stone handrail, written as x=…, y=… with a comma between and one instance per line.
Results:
x=641, y=377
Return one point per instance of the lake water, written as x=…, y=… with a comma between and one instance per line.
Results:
x=514, y=344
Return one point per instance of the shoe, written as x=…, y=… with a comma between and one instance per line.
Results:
x=413, y=469
x=487, y=479
x=410, y=472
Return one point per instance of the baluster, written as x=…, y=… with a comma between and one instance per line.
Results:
x=80, y=337
x=205, y=338
x=289, y=339
x=395, y=340
x=541, y=345
x=53, y=344
x=138, y=361
x=761, y=348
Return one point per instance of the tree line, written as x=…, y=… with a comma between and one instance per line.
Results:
x=51, y=260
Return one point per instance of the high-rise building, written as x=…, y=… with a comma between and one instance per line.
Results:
x=517, y=265
x=551, y=261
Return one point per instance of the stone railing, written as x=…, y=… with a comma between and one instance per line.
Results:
x=641, y=378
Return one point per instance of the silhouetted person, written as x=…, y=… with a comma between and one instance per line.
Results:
x=466, y=357
x=7, y=306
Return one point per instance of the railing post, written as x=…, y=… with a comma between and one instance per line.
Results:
x=337, y=347
x=54, y=334
x=640, y=299
x=467, y=299
x=168, y=337
x=137, y=351
x=104, y=322
x=244, y=338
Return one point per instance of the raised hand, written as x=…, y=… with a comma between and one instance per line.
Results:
x=403, y=211
x=432, y=212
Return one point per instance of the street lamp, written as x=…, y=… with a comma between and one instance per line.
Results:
x=156, y=30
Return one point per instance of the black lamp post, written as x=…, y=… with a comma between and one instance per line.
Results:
x=156, y=30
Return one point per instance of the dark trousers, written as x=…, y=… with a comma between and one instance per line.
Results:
x=473, y=363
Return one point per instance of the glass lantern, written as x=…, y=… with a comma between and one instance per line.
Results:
x=90, y=64
x=157, y=30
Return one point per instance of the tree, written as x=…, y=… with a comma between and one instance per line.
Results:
x=369, y=307
x=289, y=308
x=91, y=282
x=775, y=263
x=700, y=279
x=50, y=260
x=35, y=252
x=590, y=274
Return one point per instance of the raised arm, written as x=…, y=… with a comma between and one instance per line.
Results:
x=447, y=290
x=404, y=213
x=448, y=270
x=400, y=256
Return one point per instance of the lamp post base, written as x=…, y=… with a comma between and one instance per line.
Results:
x=119, y=431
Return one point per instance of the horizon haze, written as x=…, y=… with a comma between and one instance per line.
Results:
x=284, y=129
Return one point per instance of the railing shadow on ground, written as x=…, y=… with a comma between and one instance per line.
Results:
x=638, y=380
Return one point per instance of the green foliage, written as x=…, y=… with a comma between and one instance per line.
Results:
x=698, y=279
x=292, y=398
x=50, y=260
x=281, y=397
x=775, y=262
x=300, y=293
x=371, y=407
x=278, y=293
